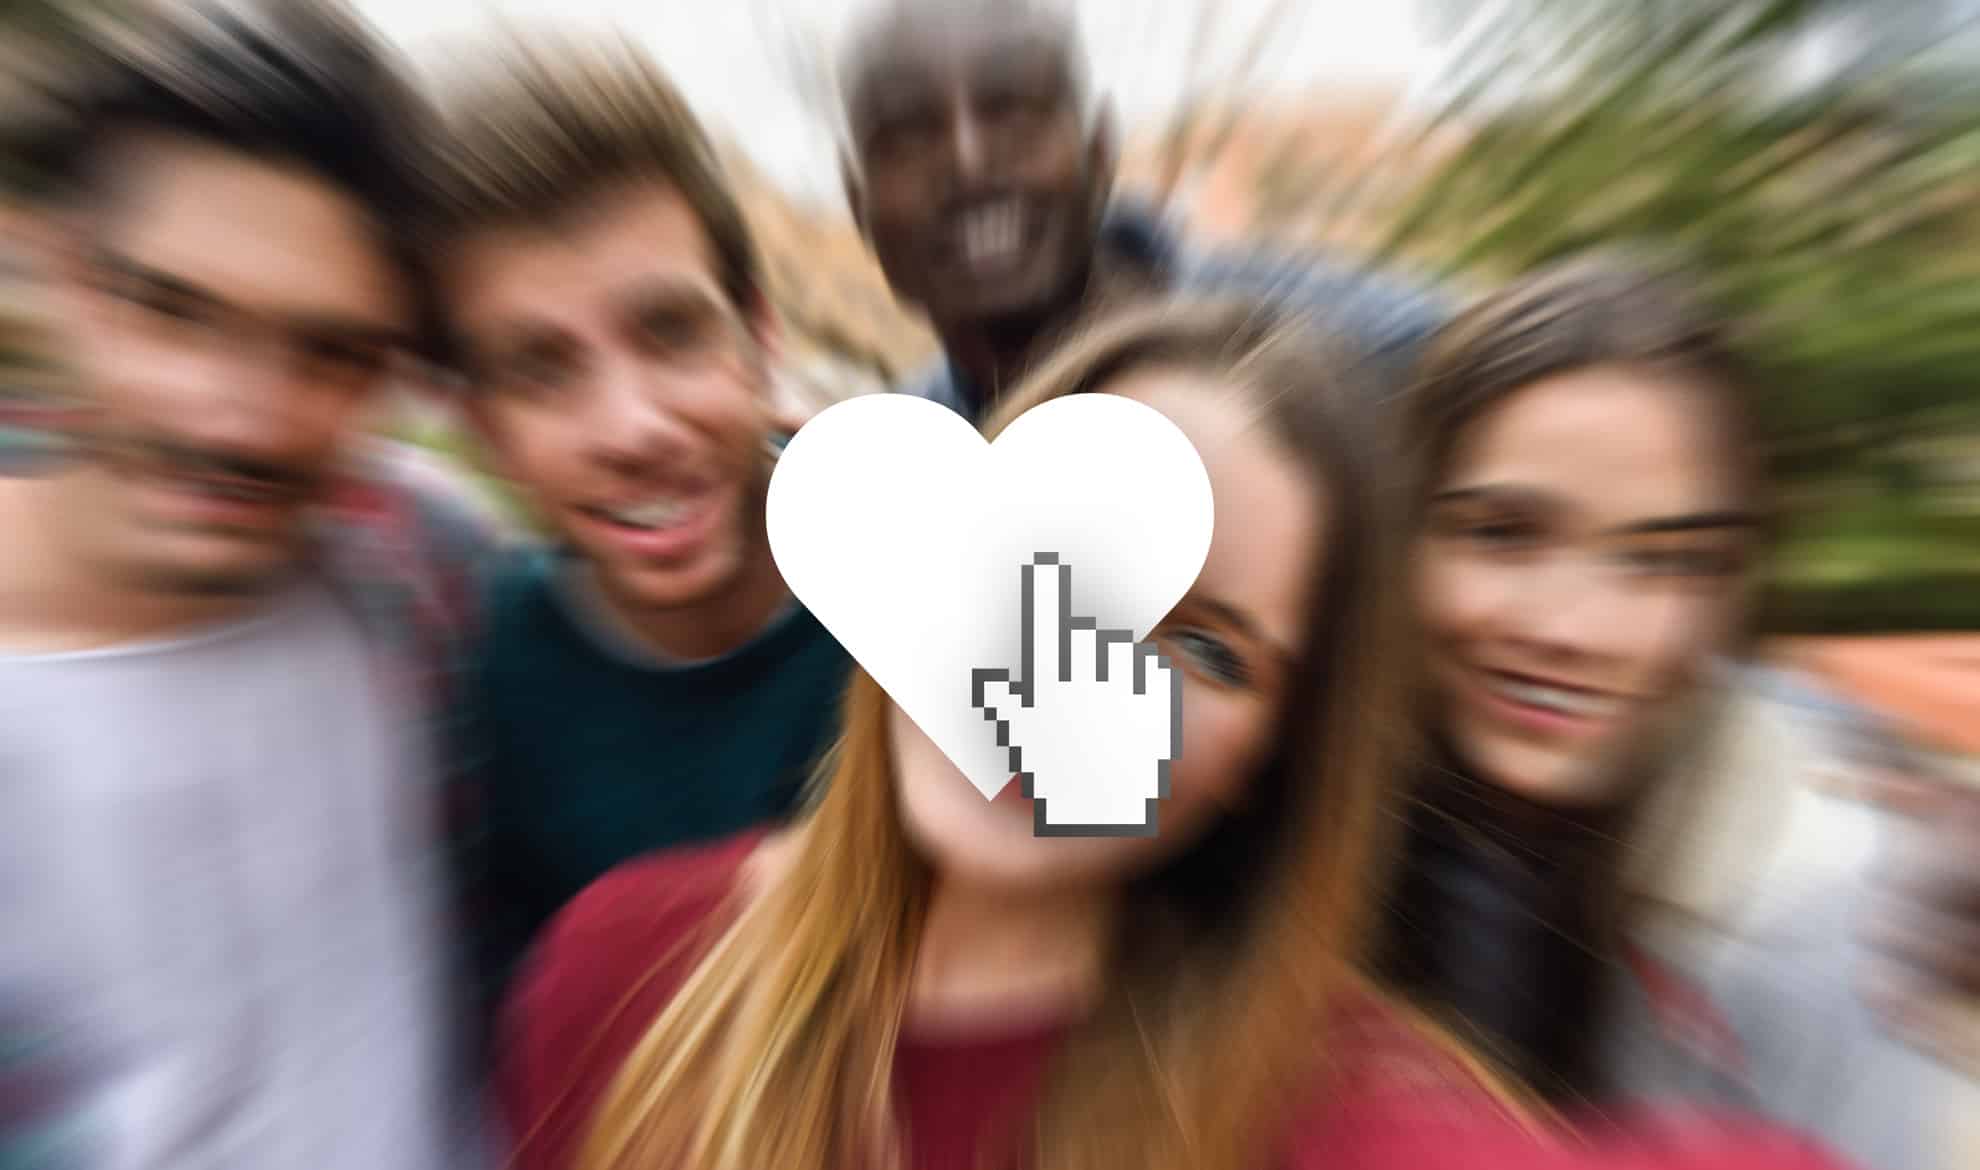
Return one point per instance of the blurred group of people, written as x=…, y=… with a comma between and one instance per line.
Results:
x=340, y=828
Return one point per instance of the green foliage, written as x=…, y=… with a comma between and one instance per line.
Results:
x=1839, y=221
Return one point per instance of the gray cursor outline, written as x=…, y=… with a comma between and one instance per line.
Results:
x=1060, y=652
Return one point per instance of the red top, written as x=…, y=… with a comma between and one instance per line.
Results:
x=608, y=964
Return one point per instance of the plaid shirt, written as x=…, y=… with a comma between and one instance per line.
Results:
x=402, y=543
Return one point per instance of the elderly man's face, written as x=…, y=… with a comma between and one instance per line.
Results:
x=974, y=174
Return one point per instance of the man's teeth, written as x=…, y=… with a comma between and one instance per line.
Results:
x=661, y=513
x=990, y=233
x=1577, y=703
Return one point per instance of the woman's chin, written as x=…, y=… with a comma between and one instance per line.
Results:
x=994, y=845
x=1546, y=775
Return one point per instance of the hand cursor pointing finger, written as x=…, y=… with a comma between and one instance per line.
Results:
x=1093, y=720
x=1047, y=623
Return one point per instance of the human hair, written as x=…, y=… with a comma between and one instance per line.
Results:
x=1604, y=309
x=1608, y=308
x=778, y=1049
x=299, y=83
x=537, y=126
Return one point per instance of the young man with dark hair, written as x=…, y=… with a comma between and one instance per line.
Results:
x=648, y=680
x=220, y=908
x=980, y=165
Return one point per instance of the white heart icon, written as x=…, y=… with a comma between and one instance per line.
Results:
x=906, y=534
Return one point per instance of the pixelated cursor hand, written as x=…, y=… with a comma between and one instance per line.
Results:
x=1093, y=721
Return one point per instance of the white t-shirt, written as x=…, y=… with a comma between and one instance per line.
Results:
x=218, y=896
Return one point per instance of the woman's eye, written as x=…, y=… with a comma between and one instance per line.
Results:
x=1212, y=655
x=1499, y=534
x=1692, y=563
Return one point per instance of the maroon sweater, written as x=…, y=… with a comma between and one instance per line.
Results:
x=610, y=962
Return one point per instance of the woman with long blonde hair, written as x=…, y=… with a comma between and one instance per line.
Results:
x=912, y=978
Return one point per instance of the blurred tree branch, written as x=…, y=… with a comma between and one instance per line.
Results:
x=1839, y=217
x=1213, y=104
x=1817, y=162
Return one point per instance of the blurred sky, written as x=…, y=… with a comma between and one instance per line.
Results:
x=730, y=56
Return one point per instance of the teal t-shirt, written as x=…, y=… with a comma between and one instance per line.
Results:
x=591, y=754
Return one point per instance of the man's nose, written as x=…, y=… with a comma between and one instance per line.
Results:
x=254, y=405
x=967, y=145
x=630, y=422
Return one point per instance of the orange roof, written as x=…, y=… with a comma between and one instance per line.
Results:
x=1928, y=684
x=1268, y=168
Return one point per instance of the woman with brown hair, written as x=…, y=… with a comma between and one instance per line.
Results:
x=913, y=978
x=1590, y=517
x=1586, y=514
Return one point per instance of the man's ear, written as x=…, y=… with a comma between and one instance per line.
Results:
x=53, y=244
x=1102, y=153
x=32, y=236
x=478, y=412
x=855, y=194
x=57, y=268
x=765, y=326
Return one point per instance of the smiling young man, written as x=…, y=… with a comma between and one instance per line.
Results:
x=218, y=912
x=649, y=681
x=981, y=169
